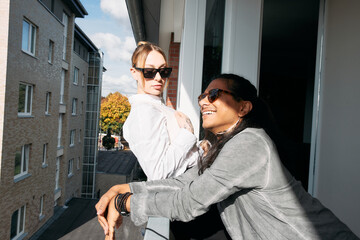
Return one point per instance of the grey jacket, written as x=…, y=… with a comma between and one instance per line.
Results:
x=256, y=196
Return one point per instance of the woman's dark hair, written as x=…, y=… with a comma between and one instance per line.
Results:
x=258, y=117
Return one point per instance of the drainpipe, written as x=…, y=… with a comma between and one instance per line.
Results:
x=136, y=15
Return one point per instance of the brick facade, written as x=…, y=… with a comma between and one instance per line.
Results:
x=174, y=52
x=17, y=66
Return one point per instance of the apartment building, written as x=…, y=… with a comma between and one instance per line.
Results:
x=44, y=86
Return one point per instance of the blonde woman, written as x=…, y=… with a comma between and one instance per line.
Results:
x=161, y=138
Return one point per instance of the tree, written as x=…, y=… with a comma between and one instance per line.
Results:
x=115, y=108
x=108, y=141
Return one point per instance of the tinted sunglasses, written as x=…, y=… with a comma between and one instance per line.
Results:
x=213, y=94
x=151, y=72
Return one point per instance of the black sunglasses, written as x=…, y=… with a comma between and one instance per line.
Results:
x=151, y=72
x=213, y=94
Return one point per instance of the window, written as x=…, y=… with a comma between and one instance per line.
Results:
x=79, y=135
x=25, y=99
x=44, y=154
x=72, y=137
x=51, y=52
x=28, y=37
x=81, y=107
x=62, y=86
x=83, y=80
x=65, y=22
x=41, y=214
x=57, y=173
x=70, y=167
x=74, y=104
x=76, y=76
x=60, y=130
x=47, y=103
x=52, y=7
x=84, y=54
x=78, y=163
x=22, y=160
x=17, y=223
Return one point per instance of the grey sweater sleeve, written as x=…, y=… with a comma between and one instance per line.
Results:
x=169, y=184
x=242, y=163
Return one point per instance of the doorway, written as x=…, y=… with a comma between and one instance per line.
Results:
x=287, y=73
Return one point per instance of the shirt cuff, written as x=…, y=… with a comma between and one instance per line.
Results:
x=137, y=187
x=138, y=207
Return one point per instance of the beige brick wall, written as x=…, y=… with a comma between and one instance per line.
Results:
x=73, y=183
x=39, y=128
x=4, y=34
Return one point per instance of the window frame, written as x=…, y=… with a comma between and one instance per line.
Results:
x=57, y=173
x=51, y=52
x=47, y=103
x=79, y=135
x=72, y=137
x=41, y=212
x=60, y=120
x=30, y=47
x=74, y=106
x=65, y=21
x=78, y=163
x=81, y=107
x=44, y=159
x=71, y=167
x=20, y=222
x=76, y=76
x=24, y=161
x=62, y=87
x=83, y=80
x=27, y=112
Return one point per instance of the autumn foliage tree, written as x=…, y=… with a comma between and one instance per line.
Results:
x=115, y=108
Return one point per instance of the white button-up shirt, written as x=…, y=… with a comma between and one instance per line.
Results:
x=162, y=148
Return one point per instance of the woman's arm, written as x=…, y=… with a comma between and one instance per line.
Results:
x=242, y=164
x=170, y=184
x=148, y=138
x=105, y=203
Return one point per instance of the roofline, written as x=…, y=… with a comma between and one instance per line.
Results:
x=85, y=38
x=77, y=7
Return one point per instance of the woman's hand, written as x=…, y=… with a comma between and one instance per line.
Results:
x=103, y=205
x=114, y=220
x=205, y=145
x=184, y=121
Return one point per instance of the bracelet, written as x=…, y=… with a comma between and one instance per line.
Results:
x=120, y=203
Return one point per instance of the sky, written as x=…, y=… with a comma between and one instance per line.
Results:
x=108, y=26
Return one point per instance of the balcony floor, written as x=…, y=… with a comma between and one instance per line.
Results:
x=79, y=221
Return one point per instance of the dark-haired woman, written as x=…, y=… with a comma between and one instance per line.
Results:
x=242, y=174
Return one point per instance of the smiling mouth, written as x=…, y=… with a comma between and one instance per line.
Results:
x=208, y=112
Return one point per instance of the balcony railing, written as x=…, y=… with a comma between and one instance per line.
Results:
x=157, y=228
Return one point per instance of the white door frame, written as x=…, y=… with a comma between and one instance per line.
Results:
x=315, y=140
x=191, y=61
x=242, y=39
x=241, y=51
